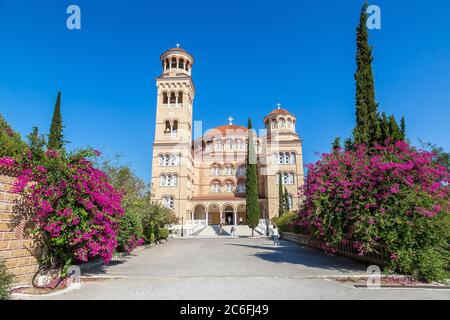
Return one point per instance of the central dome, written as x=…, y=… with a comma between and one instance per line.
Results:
x=224, y=130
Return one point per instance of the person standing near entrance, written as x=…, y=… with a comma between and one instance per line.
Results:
x=233, y=230
x=229, y=220
x=241, y=221
x=276, y=235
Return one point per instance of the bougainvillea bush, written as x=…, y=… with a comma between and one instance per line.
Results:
x=392, y=196
x=76, y=211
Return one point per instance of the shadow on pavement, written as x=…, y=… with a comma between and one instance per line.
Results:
x=291, y=253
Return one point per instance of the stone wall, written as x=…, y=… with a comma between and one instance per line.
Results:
x=16, y=247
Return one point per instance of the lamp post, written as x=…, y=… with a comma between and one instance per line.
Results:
x=182, y=223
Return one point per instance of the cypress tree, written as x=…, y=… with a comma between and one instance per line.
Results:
x=403, y=128
x=280, y=195
x=56, y=138
x=286, y=201
x=367, y=128
x=252, y=204
x=394, y=130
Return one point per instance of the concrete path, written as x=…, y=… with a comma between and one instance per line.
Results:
x=233, y=269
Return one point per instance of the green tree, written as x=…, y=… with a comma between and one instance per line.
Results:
x=367, y=129
x=280, y=195
x=403, y=128
x=6, y=280
x=11, y=144
x=337, y=144
x=252, y=182
x=56, y=137
x=36, y=143
x=441, y=157
x=286, y=201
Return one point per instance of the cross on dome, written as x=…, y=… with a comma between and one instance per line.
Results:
x=231, y=120
x=279, y=106
x=178, y=45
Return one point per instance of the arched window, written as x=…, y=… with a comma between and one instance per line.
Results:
x=168, y=202
x=229, y=144
x=208, y=147
x=162, y=180
x=181, y=64
x=174, y=63
x=215, y=171
x=175, y=127
x=166, y=160
x=291, y=178
x=290, y=202
x=289, y=123
x=187, y=65
x=292, y=158
x=280, y=158
x=241, y=188
x=274, y=124
x=165, y=98
x=282, y=123
x=286, y=158
x=180, y=97
x=173, y=98
x=240, y=144
x=285, y=178
x=241, y=171
x=218, y=146
x=167, y=64
x=229, y=187
x=228, y=170
x=274, y=158
x=168, y=127
x=161, y=160
x=215, y=187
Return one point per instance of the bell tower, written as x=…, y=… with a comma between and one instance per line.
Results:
x=172, y=168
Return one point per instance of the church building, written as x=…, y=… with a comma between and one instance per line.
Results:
x=203, y=180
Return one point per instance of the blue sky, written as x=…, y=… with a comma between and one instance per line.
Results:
x=249, y=55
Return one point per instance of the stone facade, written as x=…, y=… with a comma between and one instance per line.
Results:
x=203, y=179
x=16, y=248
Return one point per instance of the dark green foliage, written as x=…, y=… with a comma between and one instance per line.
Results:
x=36, y=143
x=6, y=280
x=11, y=145
x=371, y=127
x=163, y=234
x=337, y=144
x=252, y=182
x=280, y=195
x=130, y=228
x=367, y=129
x=286, y=201
x=348, y=144
x=403, y=127
x=56, y=137
x=143, y=217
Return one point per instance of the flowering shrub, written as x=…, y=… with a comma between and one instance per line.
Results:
x=76, y=210
x=393, y=196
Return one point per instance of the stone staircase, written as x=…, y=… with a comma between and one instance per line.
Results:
x=211, y=231
x=242, y=231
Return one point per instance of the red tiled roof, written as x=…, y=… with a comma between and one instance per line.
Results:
x=227, y=129
x=278, y=112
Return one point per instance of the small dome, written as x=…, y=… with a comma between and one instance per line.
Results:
x=278, y=112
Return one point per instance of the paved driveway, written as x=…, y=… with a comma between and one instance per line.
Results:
x=231, y=269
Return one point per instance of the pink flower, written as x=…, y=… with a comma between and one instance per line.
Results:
x=7, y=162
